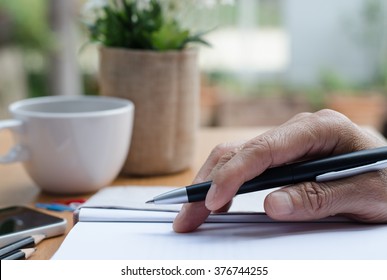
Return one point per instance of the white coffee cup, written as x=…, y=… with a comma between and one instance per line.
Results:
x=70, y=145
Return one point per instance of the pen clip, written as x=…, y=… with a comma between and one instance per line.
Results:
x=335, y=175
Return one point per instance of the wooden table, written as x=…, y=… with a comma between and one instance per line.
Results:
x=16, y=188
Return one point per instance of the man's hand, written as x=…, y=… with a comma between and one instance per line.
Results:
x=306, y=136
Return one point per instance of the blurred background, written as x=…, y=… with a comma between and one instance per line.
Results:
x=268, y=60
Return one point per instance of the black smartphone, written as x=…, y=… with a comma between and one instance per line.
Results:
x=17, y=222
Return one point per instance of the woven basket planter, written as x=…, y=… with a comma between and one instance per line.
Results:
x=164, y=86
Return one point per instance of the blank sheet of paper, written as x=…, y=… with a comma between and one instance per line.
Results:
x=225, y=241
x=150, y=240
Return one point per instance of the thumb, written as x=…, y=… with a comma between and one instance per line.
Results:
x=301, y=202
x=362, y=198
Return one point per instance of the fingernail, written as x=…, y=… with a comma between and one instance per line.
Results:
x=281, y=203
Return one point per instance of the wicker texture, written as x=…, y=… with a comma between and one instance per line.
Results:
x=164, y=86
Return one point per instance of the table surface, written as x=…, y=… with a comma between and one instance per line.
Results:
x=16, y=188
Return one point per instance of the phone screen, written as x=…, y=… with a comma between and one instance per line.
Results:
x=15, y=219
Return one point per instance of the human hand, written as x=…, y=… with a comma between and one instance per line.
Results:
x=305, y=136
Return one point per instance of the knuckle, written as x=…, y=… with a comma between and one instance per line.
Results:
x=336, y=126
x=302, y=115
x=328, y=113
x=331, y=114
x=226, y=157
x=221, y=155
x=219, y=151
x=261, y=148
x=315, y=198
x=261, y=143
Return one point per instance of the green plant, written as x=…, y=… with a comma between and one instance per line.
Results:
x=138, y=25
x=29, y=29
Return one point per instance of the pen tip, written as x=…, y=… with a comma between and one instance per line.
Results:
x=150, y=201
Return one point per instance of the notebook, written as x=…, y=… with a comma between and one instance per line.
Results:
x=117, y=224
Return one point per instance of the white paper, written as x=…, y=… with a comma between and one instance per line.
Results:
x=285, y=241
x=135, y=198
x=156, y=240
x=129, y=197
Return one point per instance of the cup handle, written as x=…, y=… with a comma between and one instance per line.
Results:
x=15, y=153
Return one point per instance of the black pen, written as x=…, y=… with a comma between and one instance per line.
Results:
x=325, y=169
x=21, y=254
x=25, y=242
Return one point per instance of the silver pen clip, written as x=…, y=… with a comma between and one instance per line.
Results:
x=335, y=175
